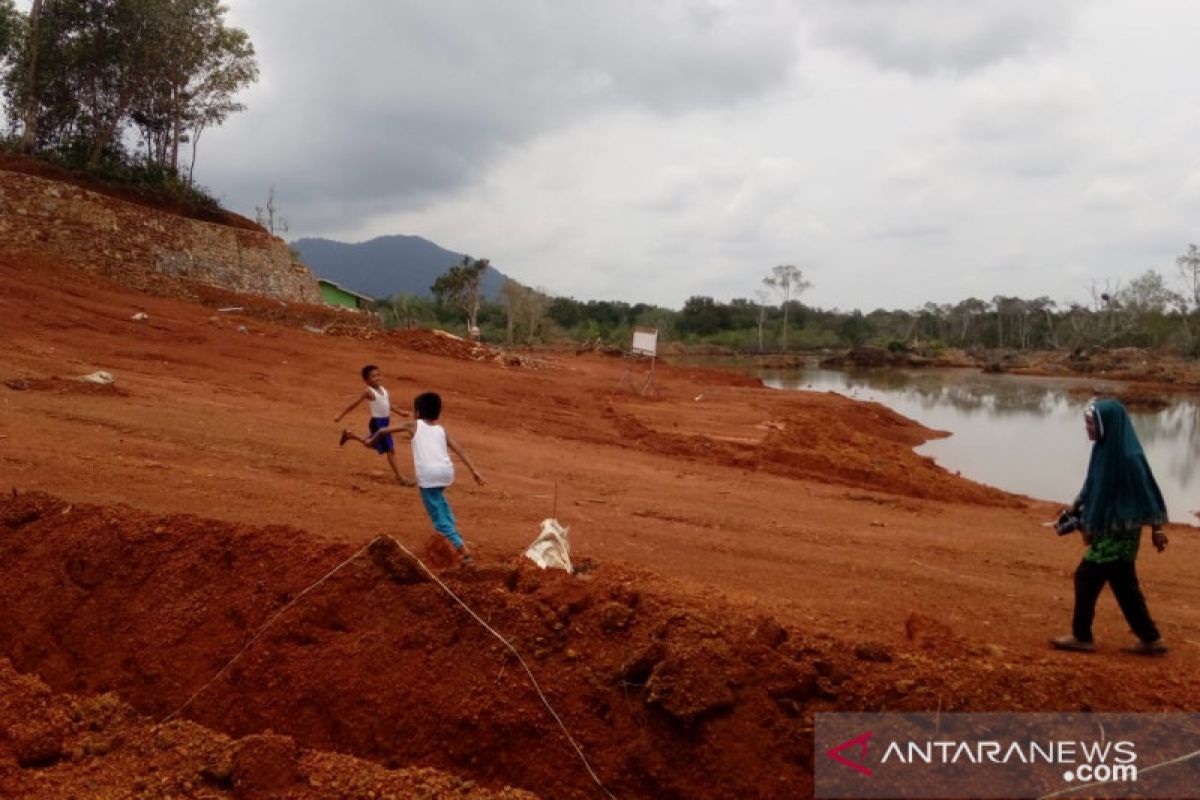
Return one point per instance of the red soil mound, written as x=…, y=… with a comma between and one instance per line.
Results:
x=325, y=318
x=665, y=703
x=439, y=343
x=668, y=696
x=64, y=746
x=828, y=439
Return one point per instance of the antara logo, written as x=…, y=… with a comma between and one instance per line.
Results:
x=859, y=742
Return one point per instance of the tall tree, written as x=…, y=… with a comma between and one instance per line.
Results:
x=203, y=64
x=91, y=68
x=787, y=281
x=761, y=318
x=12, y=32
x=525, y=308
x=1189, y=270
x=460, y=286
x=969, y=312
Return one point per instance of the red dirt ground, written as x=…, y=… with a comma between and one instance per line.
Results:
x=723, y=506
x=98, y=746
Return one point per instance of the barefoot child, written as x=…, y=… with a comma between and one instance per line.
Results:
x=377, y=397
x=431, y=447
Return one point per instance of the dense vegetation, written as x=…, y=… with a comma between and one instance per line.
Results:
x=1146, y=312
x=121, y=89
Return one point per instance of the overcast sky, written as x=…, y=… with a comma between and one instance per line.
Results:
x=900, y=151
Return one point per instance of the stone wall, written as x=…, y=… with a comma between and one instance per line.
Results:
x=142, y=248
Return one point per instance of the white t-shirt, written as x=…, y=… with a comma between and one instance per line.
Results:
x=431, y=456
x=380, y=405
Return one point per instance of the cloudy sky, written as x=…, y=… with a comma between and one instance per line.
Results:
x=900, y=151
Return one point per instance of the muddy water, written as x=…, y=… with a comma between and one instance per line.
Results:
x=1017, y=433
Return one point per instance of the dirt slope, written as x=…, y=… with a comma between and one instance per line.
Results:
x=669, y=697
x=98, y=747
x=808, y=509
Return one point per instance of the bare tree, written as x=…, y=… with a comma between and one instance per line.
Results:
x=787, y=280
x=1189, y=270
x=763, y=295
x=269, y=217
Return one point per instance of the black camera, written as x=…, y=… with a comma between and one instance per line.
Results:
x=1067, y=522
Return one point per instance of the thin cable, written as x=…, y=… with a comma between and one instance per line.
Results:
x=263, y=630
x=537, y=688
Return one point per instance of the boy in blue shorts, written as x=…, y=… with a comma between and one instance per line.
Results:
x=431, y=447
x=381, y=406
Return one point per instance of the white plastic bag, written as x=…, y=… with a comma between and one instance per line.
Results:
x=99, y=376
x=551, y=548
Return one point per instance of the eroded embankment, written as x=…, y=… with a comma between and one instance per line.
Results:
x=61, y=746
x=667, y=697
x=664, y=703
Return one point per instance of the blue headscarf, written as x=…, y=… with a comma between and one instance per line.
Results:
x=1120, y=491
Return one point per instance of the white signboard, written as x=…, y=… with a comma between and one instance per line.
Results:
x=645, y=341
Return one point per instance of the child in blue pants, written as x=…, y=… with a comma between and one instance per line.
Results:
x=431, y=447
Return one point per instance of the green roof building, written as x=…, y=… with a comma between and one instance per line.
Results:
x=335, y=295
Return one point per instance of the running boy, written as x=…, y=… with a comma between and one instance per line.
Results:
x=377, y=397
x=431, y=460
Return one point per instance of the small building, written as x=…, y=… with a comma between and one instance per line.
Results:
x=335, y=295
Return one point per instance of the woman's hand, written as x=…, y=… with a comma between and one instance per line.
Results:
x=1160, y=540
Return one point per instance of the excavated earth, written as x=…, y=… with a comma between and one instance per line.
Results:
x=748, y=558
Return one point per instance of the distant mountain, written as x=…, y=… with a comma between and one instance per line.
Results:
x=386, y=266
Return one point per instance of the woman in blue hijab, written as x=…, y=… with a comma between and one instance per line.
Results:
x=1119, y=496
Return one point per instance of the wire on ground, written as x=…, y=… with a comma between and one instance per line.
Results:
x=503, y=640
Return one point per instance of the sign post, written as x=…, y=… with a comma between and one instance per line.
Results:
x=645, y=345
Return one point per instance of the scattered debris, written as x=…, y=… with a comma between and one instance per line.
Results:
x=313, y=329
x=99, y=377
x=228, y=309
x=242, y=329
x=140, y=316
x=17, y=384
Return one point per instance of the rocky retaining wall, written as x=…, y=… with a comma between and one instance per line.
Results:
x=143, y=248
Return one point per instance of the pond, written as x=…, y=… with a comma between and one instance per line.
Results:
x=1021, y=434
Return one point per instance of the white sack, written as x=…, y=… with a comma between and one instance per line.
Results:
x=551, y=548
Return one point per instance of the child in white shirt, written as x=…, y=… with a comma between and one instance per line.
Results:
x=381, y=406
x=431, y=447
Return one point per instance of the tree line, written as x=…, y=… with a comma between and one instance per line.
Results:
x=121, y=88
x=1150, y=310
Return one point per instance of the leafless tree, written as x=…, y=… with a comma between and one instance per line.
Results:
x=787, y=281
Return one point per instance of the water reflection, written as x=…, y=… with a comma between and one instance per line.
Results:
x=1022, y=434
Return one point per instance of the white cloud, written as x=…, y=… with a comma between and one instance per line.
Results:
x=366, y=106
x=926, y=36
x=900, y=150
